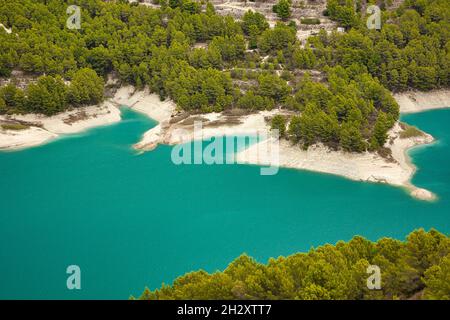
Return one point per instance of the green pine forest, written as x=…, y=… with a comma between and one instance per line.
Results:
x=206, y=62
x=418, y=268
x=338, y=88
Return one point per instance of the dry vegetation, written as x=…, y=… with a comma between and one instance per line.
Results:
x=14, y=126
x=409, y=131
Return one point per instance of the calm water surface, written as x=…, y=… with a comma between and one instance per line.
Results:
x=133, y=220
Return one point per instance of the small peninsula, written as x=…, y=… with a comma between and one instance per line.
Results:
x=121, y=122
x=246, y=75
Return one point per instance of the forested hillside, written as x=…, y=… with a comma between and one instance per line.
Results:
x=206, y=62
x=417, y=268
x=412, y=49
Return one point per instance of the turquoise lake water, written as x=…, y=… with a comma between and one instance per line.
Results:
x=133, y=220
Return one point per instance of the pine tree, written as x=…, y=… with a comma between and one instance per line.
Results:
x=279, y=123
x=283, y=9
x=351, y=138
x=380, y=130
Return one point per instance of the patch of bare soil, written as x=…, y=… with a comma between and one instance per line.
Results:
x=179, y=117
x=21, y=122
x=75, y=117
x=227, y=121
x=190, y=120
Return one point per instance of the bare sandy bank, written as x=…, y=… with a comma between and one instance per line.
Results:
x=145, y=102
x=213, y=124
x=42, y=128
x=149, y=104
x=18, y=139
x=417, y=101
x=395, y=170
x=176, y=127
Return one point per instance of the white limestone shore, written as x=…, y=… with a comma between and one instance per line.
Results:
x=418, y=101
x=397, y=170
x=367, y=166
x=174, y=128
x=42, y=128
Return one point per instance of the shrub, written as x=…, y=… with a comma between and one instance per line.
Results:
x=310, y=21
x=14, y=126
x=410, y=132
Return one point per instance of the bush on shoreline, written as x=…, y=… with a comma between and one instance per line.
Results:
x=14, y=126
x=50, y=95
x=416, y=267
x=410, y=131
x=182, y=53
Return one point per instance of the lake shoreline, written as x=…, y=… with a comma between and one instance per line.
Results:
x=42, y=129
x=174, y=127
x=420, y=101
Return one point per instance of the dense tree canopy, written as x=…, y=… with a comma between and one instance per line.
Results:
x=418, y=267
x=86, y=88
x=201, y=60
x=412, y=49
x=144, y=46
x=50, y=95
x=353, y=112
x=207, y=62
x=47, y=96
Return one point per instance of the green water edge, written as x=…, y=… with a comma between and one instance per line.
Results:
x=132, y=220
